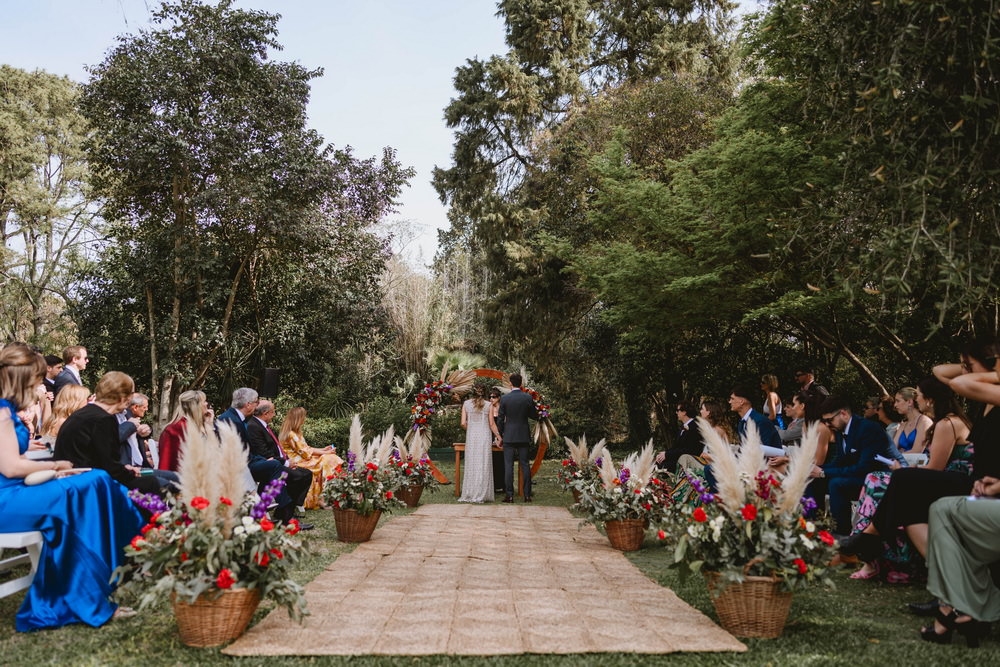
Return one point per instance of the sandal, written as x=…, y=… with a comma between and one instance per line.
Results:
x=868, y=571
x=947, y=621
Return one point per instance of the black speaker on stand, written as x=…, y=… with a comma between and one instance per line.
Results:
x=269, y=383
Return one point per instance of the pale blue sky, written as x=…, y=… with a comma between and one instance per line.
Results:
x=388, y=69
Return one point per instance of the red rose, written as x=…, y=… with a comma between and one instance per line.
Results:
x=370, y=478
x=329, y=477
x=293, y=525
x=137, y=542
x=638, y=491
x=225, y=579
x=825, y=537
x=148, y=527
x=388, y=495
x=199, y=503
x=154, y=518
x=661, y=535
x=225, y=501
x=277, y=553
x=800, y=565
x=184, y=557
x=749, y=512
x=699, y=515
x=336, y=504
x=266, y=524
x=262, y=559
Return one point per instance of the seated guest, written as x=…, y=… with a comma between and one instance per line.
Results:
x=888, y=417
x=912, y=431
x=192, y=408
x=133, y=434
x=689, y=439
x=712, y=411
x=53, y=367
x=963, y=542
x=320, y=462
x=75, y=360
x=796, y=413
x=903, y=511
x=739, y=402
x=858, y=442
x=263, y=470
x=89, y=437
x=946, y=441
x=264, y=443
x=85, y=519
x=70, y=399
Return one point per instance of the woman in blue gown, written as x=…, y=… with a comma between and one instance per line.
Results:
x=86, y=519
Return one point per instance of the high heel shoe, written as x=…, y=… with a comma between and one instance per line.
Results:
x=930, y=633
x=972, y=630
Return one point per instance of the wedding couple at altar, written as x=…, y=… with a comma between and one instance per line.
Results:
x=505, y=419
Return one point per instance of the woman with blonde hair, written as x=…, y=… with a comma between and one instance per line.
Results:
x=772, y=403
x=70, y=399
x=320, y=462
x=85, y=519
x=192, y=407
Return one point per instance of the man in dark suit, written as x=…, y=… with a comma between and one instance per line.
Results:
x=740, y=402
x=689, y=440
x=264, y=443
x=516, y=408
x=74, y=361
x=262, y=470
x=807, y=382
x=53, y=367
x=858, y=442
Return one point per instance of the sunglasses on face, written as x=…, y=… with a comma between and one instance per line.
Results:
x=828, y=420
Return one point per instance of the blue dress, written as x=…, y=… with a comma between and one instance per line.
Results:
x=86, y=521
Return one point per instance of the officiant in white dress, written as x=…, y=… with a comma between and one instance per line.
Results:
x=480, y=429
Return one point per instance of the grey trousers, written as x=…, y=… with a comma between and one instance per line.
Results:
x=963, y=540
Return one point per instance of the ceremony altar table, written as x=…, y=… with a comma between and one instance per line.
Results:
x=459, y=447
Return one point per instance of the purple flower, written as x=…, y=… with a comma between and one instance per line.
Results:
x=598, y=461
x=350, y=461
x=148, y=501
x=706, y=498
x=624, y=475
x=808, y=504
x=267, y=496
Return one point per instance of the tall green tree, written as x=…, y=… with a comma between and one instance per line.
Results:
x=48, y=216
x=228, y=215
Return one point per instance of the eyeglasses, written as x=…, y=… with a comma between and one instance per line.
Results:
x=828, y=420
x=800, y=375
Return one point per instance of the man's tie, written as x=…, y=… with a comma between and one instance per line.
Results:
x=741, y=429
x=281, y=451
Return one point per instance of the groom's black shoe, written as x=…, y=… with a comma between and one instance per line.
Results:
x=527, y=499
x=508, y=499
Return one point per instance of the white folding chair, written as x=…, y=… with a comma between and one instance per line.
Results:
x=32, y=543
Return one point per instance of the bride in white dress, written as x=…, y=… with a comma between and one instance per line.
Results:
x=477, y=479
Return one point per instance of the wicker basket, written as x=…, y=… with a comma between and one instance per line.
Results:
x=626, y=534
x=210, y=622
x=352, y=527
x=755, y=608
x=410, y=495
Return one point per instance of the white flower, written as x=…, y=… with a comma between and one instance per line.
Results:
x=248, y=521
x=810, y=527
x=692, y=531
x=807, y=542
x=239, y=530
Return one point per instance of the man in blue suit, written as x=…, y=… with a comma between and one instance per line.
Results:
x=516, y=408
x=245, y=401
x=740, y=402
x=858, y=442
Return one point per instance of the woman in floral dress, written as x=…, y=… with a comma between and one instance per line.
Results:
x=320, y=462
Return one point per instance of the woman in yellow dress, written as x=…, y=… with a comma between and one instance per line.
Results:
x=320, y=462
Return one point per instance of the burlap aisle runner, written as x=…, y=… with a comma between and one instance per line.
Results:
x=485, y=580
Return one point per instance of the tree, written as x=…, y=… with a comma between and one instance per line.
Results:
x=225, y=207
x=48, y=217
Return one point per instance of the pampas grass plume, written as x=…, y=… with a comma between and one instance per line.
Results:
x=197, y=469
x=800, y=464
x=724, y=467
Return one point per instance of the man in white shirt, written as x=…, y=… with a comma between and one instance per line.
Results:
x=75, y=360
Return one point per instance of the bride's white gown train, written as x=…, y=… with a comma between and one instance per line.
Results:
x=477, y=474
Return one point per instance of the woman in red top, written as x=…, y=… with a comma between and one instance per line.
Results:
x=191, y=406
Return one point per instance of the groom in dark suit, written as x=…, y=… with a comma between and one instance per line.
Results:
x=516, y=408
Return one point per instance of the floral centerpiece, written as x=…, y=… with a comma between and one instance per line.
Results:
x=212, y=539
x=580, y=468
x=412, y=468
x=364, y=485
x=754, y=527
x=432, y=398
x=544, y=424
x=625, y=500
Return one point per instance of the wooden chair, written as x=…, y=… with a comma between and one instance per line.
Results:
x=32, y=543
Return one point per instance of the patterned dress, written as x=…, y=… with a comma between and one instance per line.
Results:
x=900, y=562
x=320, y=465
x=477, y=476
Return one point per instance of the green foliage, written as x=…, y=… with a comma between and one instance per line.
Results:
x=239, y=241
x=48, y=216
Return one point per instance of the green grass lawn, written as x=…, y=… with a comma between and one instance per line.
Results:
x=860, y=623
